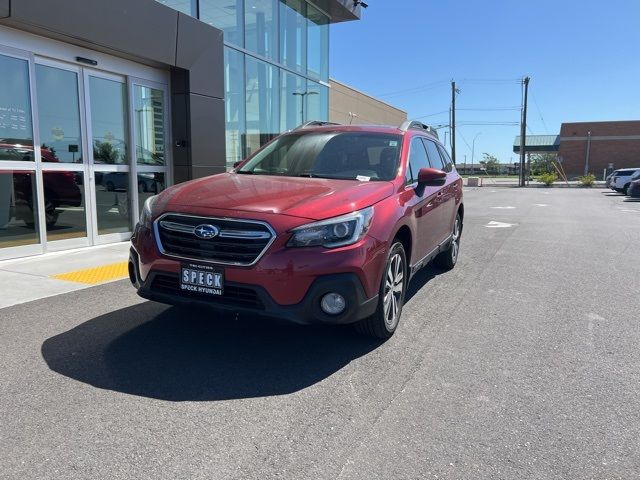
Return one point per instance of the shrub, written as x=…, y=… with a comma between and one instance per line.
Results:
x=587, y=180
x=547, y=178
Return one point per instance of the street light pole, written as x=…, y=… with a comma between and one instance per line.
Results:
x=303, y=95
x=473, y=147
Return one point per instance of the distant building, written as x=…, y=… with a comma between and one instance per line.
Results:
x=590, y=146
x=350, y=106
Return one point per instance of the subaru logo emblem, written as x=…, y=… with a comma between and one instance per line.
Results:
x=206, y=231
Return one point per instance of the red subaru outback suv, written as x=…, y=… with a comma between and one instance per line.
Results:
x=325, y=224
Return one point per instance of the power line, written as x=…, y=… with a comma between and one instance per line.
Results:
x=470, y=122
x=544, y=124
x=431, y=114
x=419, y=88
x=495, y=109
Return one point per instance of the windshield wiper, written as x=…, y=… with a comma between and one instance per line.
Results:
x=245, y=172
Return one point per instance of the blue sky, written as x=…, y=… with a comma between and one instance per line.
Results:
x=583, y=58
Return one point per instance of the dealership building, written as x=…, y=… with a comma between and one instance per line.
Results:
x=106, y=102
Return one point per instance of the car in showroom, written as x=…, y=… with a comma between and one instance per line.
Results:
x=621, y=179
x=324, y=224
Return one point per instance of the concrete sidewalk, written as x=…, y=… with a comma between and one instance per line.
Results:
x=32, y=278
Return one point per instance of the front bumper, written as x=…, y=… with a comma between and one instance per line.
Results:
x=163, y=286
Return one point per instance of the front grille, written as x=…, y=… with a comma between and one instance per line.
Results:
x=233, y=295
x=238, y=242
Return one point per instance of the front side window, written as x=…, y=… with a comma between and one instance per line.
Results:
x=338, y=155
x=417, y=159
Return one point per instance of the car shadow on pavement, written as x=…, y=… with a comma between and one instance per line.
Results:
x=174, y=354
x=420, y=279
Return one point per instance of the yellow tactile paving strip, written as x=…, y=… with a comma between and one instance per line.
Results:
x=95, y=275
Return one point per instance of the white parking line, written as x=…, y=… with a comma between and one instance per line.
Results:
x=494, y=224
x=502, y=208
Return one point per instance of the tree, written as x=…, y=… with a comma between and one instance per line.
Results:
x=542, y=163
x=490, y=163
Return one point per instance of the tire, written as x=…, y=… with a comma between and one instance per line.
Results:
x=448, y=258
x=625, y=189
x=383, y=323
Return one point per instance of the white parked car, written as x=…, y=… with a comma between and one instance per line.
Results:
x=622, y=179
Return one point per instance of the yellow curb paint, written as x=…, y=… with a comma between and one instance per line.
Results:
x=95, y=275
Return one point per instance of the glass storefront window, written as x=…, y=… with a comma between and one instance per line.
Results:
x=293, y=34
x=64, y=206
x=112, y=202
x=184, y=6
x=225, y=15
x=149, y=120
x=58, y=115
x=292, y=94
x=317, y=107
x=16, y=127
x=234, y=104
x=317, y=44
x=261, y=27
x=262, y=103
x=108, y=120
x=18, y=208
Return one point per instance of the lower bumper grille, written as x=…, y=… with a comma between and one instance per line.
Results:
x=233, y=295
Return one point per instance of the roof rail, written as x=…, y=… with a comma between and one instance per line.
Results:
x=419, y=125
x=314, y=123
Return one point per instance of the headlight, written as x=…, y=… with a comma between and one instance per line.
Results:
x=145, y=216
x=335, y=232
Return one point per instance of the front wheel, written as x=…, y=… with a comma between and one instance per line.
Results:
x=383, y=323
x=448, y=258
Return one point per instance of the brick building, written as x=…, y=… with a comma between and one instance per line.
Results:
x=590, y=145
x=617, y=143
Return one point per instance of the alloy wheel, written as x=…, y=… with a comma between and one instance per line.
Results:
x=393, y=289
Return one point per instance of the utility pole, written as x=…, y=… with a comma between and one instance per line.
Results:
x=523, y=132
x=453, y=121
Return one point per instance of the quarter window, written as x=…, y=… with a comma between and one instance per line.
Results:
x=446, y=158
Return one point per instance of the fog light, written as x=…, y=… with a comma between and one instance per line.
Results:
x=333, y=303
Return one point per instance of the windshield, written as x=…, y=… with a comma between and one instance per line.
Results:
x=341, y=155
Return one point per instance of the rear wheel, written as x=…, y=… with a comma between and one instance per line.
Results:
x=383, y=323
x=448, y=258
x=625, y=189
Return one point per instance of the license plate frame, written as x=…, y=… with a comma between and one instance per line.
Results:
x=201, y=279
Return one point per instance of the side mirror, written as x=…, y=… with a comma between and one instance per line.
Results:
x=237, y=164
x=431, y=177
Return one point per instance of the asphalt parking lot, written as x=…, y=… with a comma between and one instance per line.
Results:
x=522, y=363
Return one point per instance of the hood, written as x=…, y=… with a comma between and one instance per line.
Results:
x=312, y=198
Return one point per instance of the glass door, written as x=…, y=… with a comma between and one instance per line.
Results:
x=63, y=154
x=149, y=118
x=108, y=139
x=20, y=200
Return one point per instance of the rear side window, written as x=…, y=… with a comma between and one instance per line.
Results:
x=417, y=159
x=434, y=155
x=447, y=159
